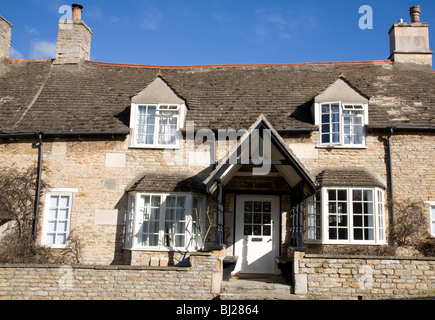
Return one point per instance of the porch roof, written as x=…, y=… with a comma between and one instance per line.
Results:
x=282, y=157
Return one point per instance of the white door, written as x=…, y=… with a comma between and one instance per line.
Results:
x=257, y=241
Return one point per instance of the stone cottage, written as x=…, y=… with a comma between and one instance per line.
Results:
x=148, y=164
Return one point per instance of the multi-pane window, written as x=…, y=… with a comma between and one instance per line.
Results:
x=257, y=218
x=165, y=221
x=432, y=220
x=314, y=216
x=346, y=215
x=342, y=124
x=156, y=125
x=57, y=219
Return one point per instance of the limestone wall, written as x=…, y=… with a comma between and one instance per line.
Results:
x=41, y=282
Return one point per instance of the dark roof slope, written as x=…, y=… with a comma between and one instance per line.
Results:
x=38, y=96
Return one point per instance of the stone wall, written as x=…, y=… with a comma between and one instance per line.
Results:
x=5, y=38
x=366, y=277
x=200, y=281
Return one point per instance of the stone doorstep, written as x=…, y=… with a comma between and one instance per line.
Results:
x=269, y=288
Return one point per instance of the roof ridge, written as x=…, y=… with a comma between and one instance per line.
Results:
x=161, y=67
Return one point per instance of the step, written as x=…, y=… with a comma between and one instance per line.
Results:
x=271, y=288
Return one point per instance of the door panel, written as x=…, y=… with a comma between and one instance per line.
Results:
x=257, y=234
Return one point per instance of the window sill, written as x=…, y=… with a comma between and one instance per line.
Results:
x=156, y=147
x=159, y=249
x=340, y=147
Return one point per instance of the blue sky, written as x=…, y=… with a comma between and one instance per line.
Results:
x=196, y=32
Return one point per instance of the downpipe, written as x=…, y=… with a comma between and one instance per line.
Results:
x=38, y=185
x=390, y=173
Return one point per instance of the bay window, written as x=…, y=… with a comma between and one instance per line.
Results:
x=346, y=215
x=172, y=221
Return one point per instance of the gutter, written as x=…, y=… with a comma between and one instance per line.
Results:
x=411, y=128
x=69, y=134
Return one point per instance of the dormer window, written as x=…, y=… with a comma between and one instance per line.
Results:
x=342, y=124
x=157, y=125
x=157, y=115
x=341, y=112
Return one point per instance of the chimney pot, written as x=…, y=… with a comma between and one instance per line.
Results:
x=415, y=12
x=77, y=12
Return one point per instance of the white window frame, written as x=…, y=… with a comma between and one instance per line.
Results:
x=378, y=217
x=343, y=106
x=431, y=217
x=133, y=224
x=45, y=229
x=160, y=107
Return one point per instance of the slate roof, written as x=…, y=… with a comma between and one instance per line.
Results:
x=168, y=182
x=37, y=96
x=351, y=177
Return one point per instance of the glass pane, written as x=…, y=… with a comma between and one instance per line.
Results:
x=325, y=128
x=357, y=195
x=63, y=214
x=342, y=195
x=357, y=208
x=257, y=218
x=333, y=233
x=179, y=241
x=61, y=226
x=266, y=231
x=326, y=138
x=335, y=108
x=54, y=202
x=247, y=230
x=248, y=218
x=432, y=210
x=357, y=221
x=358, y=234
x=266, y=206
x=336, y=137
x=170, y=202
x=257, y=230
x=332, y=195
x=325, y=108
x=153, y=240
x=248, y=206
x=155, y=201
x=64, y=202
x=325, y=118
x=52, y=226
x=170, y=214
x=368, y=195
x=52, y=214
x=369, y=234
x=257, y=206
x=61, y=239
x=50, y=239
x=342, y=234
x=267, y=219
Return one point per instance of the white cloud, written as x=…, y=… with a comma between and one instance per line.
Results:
x=43, y=50
x=151, y=19
x=271, y=24
x=31, y=30
x=15, y=54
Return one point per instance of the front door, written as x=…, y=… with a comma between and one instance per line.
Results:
x=257, y=240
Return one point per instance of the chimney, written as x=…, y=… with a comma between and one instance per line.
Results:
x=5, y=38
x=74, y=39
x=77, y=10
x=409, y=42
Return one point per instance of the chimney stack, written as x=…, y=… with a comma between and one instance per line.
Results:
x=5, y=38
x=415, y=14
x=409, y=42
x=74, y=39
x=77, y=10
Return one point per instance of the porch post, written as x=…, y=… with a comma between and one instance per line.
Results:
x=219, y=239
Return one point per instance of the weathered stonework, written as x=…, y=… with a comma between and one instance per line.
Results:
x=73, y=42
x=5, y=38
x=39, y=282
x=366, y=277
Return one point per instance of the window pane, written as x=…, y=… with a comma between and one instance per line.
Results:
x=54, y=202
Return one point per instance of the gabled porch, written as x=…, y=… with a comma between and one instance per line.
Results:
x=260, y=186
